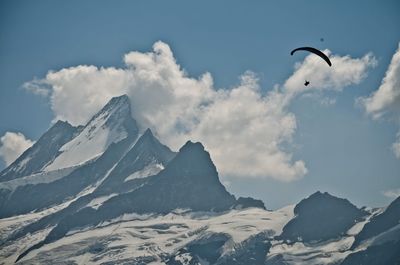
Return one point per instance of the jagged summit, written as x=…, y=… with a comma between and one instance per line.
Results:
x=192, y=157
x=149, y=136
x=116, y=108
x=111, y=124
x=146, y=158
x=189, y=180
x=46, y=149
x=192, y=146
x=125, y=193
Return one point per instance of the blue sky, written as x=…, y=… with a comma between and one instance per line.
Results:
x=346, y=152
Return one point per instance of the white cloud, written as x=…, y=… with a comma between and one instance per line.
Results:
x=325, y=101
x=37, y=87
x=244, y=129
x=345, y=71
x=396, y=146
x=387, y=97
x=393, y=194
x=12, y=145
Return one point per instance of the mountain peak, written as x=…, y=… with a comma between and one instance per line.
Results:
x=111, y=124
x=319, y=194
x=61, y=123
x=147, y=157
x=35, y=158
x=335, y=216
x=148, y=133
x=117, y=106
x=191, y=146
x=148, y=139
x=118, y=101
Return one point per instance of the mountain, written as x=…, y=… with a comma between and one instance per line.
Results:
x=146, y=158
x=386, y=253
x=110, y=192
x=85, y=160
x=380, y=223
x=379, y=240
x=321, y=217
x=46, y=149
x=189, y=181
x=111, y=124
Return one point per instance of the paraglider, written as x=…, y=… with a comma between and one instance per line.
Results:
x=315, y=51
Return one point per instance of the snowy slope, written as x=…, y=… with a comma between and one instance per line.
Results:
x=45, y=150
x=42, y=177
x=152, y=169
x=170, y=238
x=174, y=237
x=110, y=125
x=107, y=196
x=155, y=237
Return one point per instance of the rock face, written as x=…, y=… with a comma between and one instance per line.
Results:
x=189, y=181
x=109, y=193
x=387, y=253
x=104, y=170
x=321, y=217
x=111, y=124
x=380, y=223
x=109, y=133
x=45, y=150
x=243, y=202
x=146, y=158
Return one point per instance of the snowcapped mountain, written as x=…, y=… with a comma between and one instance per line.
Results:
x=46, y=149
x=104, y=193
x=110, y=125
x=332, y=221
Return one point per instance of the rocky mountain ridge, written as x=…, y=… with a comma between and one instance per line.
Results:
x=109, y=192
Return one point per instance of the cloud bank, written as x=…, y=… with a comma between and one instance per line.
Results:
x=386, y=100
x=247, y=131
x=12, y=145
x=396, y=146
x=387, y=97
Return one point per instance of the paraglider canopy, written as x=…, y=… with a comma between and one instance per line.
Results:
x=315, y=51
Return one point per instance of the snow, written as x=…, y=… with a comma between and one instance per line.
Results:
x=10, y=224
x=21, y=165
x=97, y=202
x=327, y=252
x=251, y=221
x=10, y=252
x=154, y=236
x=184, y=258
x=42, y=177
x=149, y=170
x=91, y=142
x=360, y=225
